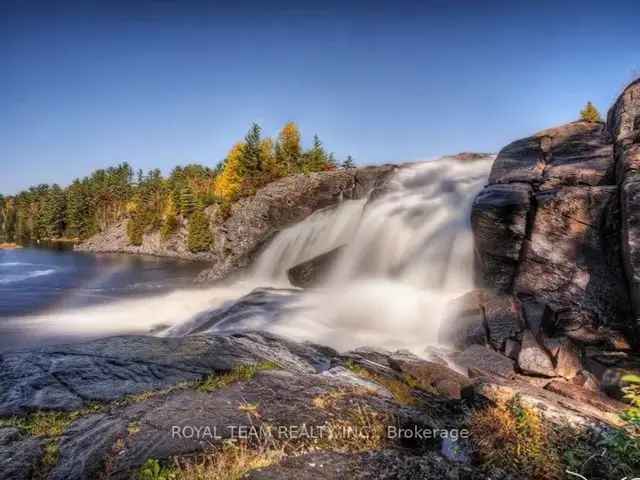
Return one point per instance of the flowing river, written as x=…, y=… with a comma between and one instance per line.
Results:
x=407, y=252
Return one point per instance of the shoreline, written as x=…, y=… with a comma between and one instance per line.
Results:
x=10, y=246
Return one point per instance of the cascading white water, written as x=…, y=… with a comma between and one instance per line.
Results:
x=407, y=252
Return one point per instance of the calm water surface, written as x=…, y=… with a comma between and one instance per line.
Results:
x=37, y=281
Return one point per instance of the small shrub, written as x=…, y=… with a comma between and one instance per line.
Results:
x=590, y=113
x=43, y=424
x=516, y=438
x=400, y=390
x=238, y=374
x=232, y=461
x=624, y=443
x=152, y=470
x=135, y=231
x=169, y=226
x=199, y=238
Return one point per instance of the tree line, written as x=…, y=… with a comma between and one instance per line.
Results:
x=150, y=202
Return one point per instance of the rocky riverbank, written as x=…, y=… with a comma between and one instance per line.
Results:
x=116, y=407
x=239, y=234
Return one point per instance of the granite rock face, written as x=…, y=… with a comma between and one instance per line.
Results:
x=623, y=122
x=557, y=228
x=73, y=376
x=547, y=225
x=253, y=220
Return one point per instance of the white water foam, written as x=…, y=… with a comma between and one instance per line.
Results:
x=7, y=279
x=407, y=253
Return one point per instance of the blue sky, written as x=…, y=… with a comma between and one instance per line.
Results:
x=89, y=84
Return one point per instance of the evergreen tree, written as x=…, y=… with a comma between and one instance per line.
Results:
x=316, y=159
x=135, y=231
x=251, y=165
x=590, y=113
x=187, y=201
x=199, y=238
x=349, y=163
x=289, y=150
x=54, y=212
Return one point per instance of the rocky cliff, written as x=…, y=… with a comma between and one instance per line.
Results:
x=557, y=238
x=253, y=220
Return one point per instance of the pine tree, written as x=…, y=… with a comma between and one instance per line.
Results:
x=199, y=238
x=590, y=113
x=349, y=163
x=316, y=159
x=54, y=212
x=251, y=165
x=187, y=201
x=289, y=150
x=135, y=231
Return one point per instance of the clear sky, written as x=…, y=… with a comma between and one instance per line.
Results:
x=157, y=83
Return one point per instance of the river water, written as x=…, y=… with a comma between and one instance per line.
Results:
x=408, y=253
x=42, y=283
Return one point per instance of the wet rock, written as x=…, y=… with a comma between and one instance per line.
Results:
x=463, y=322
x=314, y=271
x=503, y=319
x=533, y=359
x=499, y=220
x=534, y=313
x=479, y=359
x=259, y=307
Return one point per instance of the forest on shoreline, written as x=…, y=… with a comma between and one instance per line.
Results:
x=150, y=201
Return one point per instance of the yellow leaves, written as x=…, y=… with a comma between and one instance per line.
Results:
x=228, y=184
x=289, y=147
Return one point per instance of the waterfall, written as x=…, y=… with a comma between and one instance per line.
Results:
x=406, y=252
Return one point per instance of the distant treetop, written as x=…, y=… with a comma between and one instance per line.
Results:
x=590, y=113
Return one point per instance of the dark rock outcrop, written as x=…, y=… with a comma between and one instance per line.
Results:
x=546, y=225
x=314, y=271
x=74, y=376
x=174, y=414
x=557, y=227
x=623, y=122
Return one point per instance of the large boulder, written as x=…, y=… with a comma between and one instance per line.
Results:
x=463, y=322
x=624, y=125
x=315, y=270
x=547, y=230
x=533, y=359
